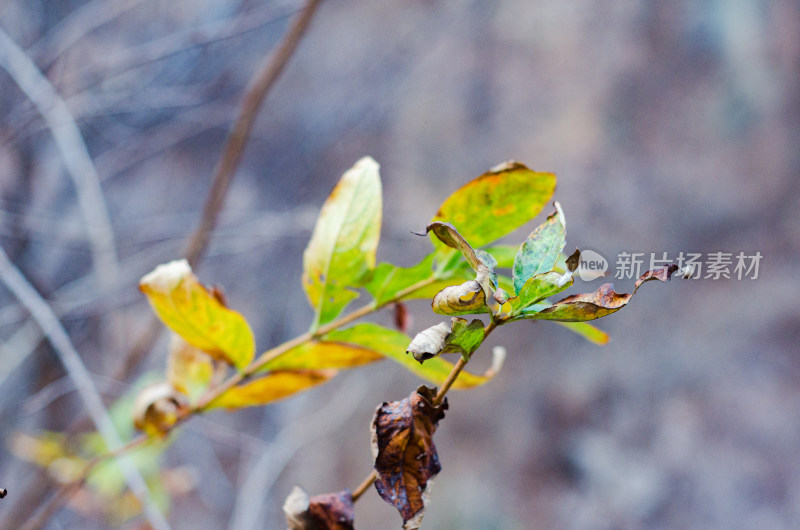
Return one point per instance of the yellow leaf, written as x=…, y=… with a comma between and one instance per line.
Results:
x=341, y=253
x=322, y=355
x=194, y=313
x=189, y=369
x=272, y=387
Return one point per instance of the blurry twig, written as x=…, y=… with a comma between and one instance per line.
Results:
x=265, y=471
x=79, y=23
x=69, y=357
x=73, y=150
x=254, y=96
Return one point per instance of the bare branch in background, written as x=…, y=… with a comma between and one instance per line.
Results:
x=69, y=357
x=73, y=150
x=255, y=94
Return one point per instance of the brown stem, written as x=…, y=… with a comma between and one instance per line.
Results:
x=364, y=486
x=254, y=96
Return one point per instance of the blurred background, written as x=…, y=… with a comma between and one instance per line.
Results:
x=672, y=126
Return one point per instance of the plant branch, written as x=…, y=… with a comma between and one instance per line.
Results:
x=78, y=162
x=440, y=395
x=254, y=96
x=69, y=357
x=225, y=169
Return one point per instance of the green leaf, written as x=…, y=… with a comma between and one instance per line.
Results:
x=587, y=331
x=271, y=387
x=392, y=345
x=194, y=313
x=540, y=287
x=504, y=255
x=324, y=354
x=465, y=338
x=341, y=253
x=497, y=202
x=590, y=306
x=540, y=251
x=388, y=280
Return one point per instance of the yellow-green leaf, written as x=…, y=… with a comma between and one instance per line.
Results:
x=388, y=281
x=271, y=387
x=341, y=253
x=392, y=344
x=587, y=331
x=323, y=354
x=189, y=369
x=497, y=202
x=194, y=313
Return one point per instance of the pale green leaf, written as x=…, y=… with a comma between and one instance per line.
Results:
x=341, y=253
x=541, y=250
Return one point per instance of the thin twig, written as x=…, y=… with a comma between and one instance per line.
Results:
x=440, y=395
x=364, y=486
x=73, y=150
x=254, y=97
x=69, y=357
x=224, y=171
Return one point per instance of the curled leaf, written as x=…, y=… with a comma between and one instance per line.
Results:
x=429, y=343
x=197, y=315
x=271, y=387
x=602, y=302
x=341, y=253
x=497, y=202
x=158, y=407
x=458, y=337
x=405, y=456
x=464, y=299
x=330, y=511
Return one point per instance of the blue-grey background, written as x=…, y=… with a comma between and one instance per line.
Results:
x=673, y=126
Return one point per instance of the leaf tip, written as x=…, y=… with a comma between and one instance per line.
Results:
x=167, y=276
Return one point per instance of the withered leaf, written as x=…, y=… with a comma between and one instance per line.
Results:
x=602, y=302
x=329, y=511
x=405, y=456
x=458, y=337
x=429, y=342
x=465, y=298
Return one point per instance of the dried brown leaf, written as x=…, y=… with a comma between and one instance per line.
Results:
x=330, y=511
x=405, y=456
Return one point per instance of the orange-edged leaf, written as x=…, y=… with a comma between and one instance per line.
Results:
x=591, y=306
x=323, y=354
x=329, y=511
x=392, y=344
x=271, y=387
x=194, y=313
x=189, y=369
x=341, y=253
x=405, y=456
x=497, y=202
